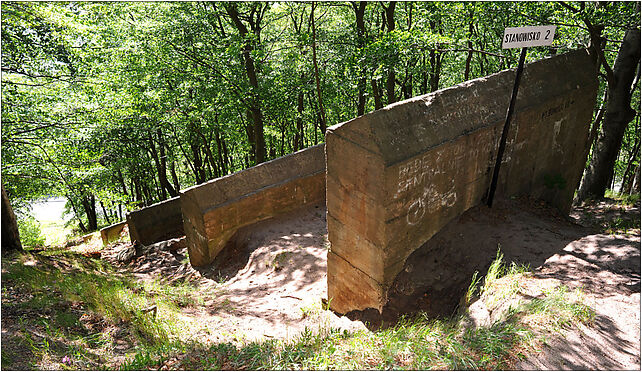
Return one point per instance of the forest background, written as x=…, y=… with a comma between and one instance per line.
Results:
x=116, y=106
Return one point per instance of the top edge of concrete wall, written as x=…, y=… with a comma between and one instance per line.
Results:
x=166, y=201
x=306, y=162
x=434, y=117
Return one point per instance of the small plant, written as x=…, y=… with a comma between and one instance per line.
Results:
x=620, y=225
x=309, y=310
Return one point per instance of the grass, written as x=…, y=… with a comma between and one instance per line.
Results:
x=622, y=199
x=73, y=299
x=75, y=292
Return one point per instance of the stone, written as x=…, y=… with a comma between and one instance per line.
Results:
x=215, y=210
x=396, y=176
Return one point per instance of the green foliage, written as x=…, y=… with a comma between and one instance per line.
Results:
x=119, y=104
x=30, y=233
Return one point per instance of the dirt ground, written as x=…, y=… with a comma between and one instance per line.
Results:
x=271, y=280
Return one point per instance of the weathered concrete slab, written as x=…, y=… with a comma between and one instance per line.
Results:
x=157, y=222
x=112, y=232
x=398, y=175
x=214, y=211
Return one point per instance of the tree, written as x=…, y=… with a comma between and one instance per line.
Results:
x=10, y=234
x=618, y=115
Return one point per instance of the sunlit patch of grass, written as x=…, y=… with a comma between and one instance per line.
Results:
x=558, y=309
x=55, y=232
x=623, y=199
x=181, y=294
x=72, y=287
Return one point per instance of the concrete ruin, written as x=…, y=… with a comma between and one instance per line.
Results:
x=214, y=211
x=157, y=222
x=112, y=232
x=396, y=176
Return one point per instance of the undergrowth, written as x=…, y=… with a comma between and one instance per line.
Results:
x=78, y=289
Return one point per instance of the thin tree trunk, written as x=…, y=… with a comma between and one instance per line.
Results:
x=102, y=206
x=322, y=121
x=89, y=205
x=298, y=135
x=626, y=179
x=73, y=207
x=469, y=57
x=376, y=92
x=390, y=24
x=219, y=148
x=172, y=169
x=359, y=11
x=159, y=171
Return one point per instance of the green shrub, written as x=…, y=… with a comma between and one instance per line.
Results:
x=30, y=233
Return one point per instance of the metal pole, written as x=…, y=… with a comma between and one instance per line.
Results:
x=502, y=141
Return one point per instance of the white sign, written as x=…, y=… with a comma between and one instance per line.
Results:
x=529, y=36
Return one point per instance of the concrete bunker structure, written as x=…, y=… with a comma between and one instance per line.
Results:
x=156, y=222
x=396, y=176
x=215, y=210
x=393, y=178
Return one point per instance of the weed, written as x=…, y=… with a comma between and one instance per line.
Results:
x=310, y=310
x=472, y=289
x=620, y=225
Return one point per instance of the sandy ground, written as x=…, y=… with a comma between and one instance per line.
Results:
x=270, y=282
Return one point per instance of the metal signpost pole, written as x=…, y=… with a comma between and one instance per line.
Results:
x=502, y=141
x=516, y=37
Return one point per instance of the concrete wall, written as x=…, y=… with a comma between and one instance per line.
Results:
x=397, y=175
x=214, y=211
x=112, y=232
x=157, y=222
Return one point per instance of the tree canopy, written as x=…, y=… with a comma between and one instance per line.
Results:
x=120, y=105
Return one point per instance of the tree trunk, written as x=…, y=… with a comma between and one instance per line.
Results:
x=435, y=60
x=618, y=114
x=636, y=182
x=161, y=165
x=322, y=121
x=219, y=148
x=250, y=70
x=390, y=23
x=469, y=57
x=359, y=12
x=89, y=205
x=298, y=136
x=376, y=92
x=73, y=207
x=172, y=169
x=10, y=235
x=102, y=206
